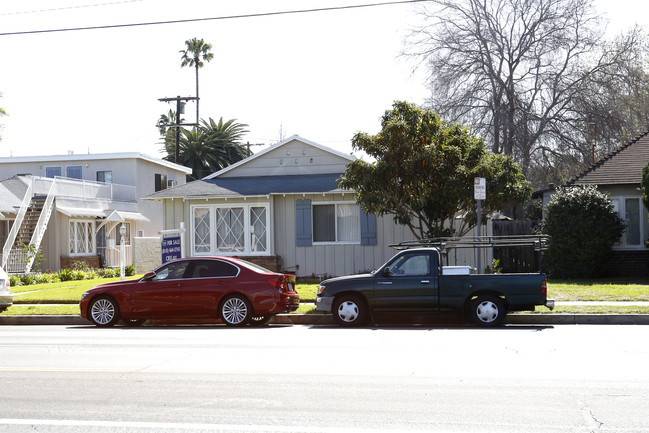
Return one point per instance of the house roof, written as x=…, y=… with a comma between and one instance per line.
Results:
x=95, y=156
x=231, y=187
x=12, y=191
x=623, y=166
x=263, y=152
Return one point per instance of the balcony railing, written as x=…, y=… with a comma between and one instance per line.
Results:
x=84, y=189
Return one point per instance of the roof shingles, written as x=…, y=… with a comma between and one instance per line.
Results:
x=231, y=187
x=621, y=167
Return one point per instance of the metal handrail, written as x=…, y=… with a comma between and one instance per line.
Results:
x=41, y=225
x=13, y=233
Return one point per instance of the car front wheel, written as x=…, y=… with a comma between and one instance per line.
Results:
x=104, y=311
x=487, y=310
x=349, y=310
x=235, y=310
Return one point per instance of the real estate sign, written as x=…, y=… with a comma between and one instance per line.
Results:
x=171, y=248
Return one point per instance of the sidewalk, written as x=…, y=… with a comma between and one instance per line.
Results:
x=322, y=319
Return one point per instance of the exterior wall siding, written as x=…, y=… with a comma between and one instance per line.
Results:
x=292, y=158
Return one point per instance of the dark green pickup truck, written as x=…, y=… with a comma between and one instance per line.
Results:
x=414, y=282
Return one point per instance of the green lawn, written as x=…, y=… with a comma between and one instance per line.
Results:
x=610, y=290
x=69, y=292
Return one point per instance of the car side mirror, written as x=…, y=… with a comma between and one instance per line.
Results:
x=387, y=273
x=148, y=276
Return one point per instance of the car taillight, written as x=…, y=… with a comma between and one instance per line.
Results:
x=285, y=283
x=544, y=287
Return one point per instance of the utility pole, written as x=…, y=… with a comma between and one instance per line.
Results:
x=180, y=103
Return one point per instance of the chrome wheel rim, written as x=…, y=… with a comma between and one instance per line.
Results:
x=102, y=311
x=348, y=311
x=487, y=311
x=235, y=311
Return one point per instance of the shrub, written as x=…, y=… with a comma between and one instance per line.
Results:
x=129, y=271
x=584, y=226
x=66, y=275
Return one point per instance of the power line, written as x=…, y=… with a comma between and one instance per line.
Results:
x=230, y=17
x=68, y=8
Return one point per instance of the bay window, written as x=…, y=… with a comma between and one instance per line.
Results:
x=236, y=229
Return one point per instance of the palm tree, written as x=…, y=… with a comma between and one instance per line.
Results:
x=225, y=140
x=209, y=148
x=196, y=51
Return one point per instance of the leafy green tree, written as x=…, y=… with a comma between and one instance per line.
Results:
x=196, y=51
x=209, y=148
x=584, y=226
x=424, y=173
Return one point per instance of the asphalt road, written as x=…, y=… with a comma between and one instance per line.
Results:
x=562, y=378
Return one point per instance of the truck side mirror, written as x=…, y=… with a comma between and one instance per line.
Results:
x=387, y=273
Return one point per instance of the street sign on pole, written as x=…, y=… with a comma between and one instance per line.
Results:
x=480, y=188
x=480, y=193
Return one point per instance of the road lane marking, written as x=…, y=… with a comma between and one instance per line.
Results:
x=187, y=426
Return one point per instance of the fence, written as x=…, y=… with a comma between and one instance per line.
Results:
x=516, y=259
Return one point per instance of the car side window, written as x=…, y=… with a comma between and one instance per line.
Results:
x=212, y=269
x=410, y=265
x=172, y=271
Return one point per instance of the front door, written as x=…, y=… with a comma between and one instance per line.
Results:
x=409, y=282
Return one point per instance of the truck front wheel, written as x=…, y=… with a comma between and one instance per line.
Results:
x=487, y=310
x=349, y=310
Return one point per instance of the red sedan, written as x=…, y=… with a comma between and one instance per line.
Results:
x=237, y=291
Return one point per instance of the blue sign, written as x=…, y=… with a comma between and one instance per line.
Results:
x=171, y=248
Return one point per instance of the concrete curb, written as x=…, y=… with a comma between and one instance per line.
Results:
x=326, y=319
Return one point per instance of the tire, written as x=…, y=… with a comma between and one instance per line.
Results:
x=260, y=320
x=487, y=310
x=235, y=310
x=349, y=310
x=104, y=311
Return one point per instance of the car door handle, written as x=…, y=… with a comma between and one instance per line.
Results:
x=385, y=282
x=425, y=281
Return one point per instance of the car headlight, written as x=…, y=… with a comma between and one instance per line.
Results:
x=84, y=295
x=320, y=289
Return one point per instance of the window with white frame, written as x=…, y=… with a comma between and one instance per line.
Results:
x=630, y=210
x=336, y=222
x=236, y=229
x=81, y=236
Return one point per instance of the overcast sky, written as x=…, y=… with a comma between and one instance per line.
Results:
x=321, y=75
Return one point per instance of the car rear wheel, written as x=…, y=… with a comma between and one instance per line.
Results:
x=487, y=310
x=349, y=310
x=235, y=310
x=104, y=311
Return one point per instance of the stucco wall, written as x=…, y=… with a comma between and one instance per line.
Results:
x=147, y=254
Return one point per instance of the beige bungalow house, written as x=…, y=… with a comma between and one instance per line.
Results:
x=282, y=208
x=70, y=206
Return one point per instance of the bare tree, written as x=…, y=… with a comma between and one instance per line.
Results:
x=513, y=69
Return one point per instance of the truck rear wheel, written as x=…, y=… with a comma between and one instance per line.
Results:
x=487, y=310
x=349, y=310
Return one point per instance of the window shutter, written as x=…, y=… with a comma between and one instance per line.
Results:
x=303, y=237
x=368, y=228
